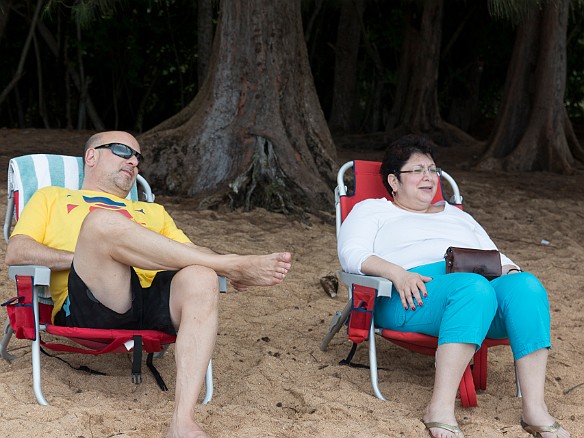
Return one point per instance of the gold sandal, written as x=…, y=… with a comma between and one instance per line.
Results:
x=436, y=424
x=537, y=430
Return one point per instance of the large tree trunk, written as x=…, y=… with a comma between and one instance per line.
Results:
x=533, y=131
x=255, y=134
x=346, y=54
x=204, y=37
x=415, y=107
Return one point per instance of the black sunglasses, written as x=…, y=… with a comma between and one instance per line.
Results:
x=122, y=151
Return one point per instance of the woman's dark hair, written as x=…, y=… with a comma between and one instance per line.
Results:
x=400, y=151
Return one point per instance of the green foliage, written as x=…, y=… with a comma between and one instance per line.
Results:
x=575, y=76
x=84, y=12
x=479, y=50
x=138, y=59
x=514, y=10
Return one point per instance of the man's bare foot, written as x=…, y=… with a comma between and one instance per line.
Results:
x=260, y=270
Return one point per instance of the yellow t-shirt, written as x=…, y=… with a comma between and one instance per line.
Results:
x=53, y=217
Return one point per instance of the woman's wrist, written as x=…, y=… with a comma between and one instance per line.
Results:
x=514, y=269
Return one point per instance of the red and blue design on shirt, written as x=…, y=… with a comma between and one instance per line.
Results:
x=95, y=202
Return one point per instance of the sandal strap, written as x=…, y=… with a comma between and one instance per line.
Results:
x=449, y=427
x=534, y=430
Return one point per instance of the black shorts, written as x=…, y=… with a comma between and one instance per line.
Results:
x=150, y=306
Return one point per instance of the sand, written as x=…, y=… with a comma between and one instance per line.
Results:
x=271, y=379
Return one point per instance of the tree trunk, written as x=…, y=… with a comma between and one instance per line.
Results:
x=255, y=135
x=39, y=71
x=373, y=114
x=54, y=48
x=415, y=108
x=23, y=54
x=346, y=53
x=204, y=37
x=533, y=131
x=5, y=6
x=465, y=106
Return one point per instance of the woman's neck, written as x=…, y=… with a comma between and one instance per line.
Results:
x=430, y=208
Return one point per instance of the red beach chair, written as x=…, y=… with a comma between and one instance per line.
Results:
x=367, y=183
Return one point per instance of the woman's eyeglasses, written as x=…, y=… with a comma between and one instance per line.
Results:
x=122, y=151
x=432, y=171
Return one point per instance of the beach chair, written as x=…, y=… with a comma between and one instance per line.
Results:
x=358, y=312
x=29, y=313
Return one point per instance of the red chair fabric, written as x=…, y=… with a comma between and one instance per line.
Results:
x=93, y=341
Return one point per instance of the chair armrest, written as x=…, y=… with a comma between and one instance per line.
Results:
x=41, y=274
x=222, y=283
x=383, y=285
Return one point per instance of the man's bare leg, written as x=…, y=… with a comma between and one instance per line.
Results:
x=194, y=312
x=109, y=242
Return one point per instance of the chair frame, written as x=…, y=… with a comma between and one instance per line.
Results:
x=40, y=276
x=475, y=377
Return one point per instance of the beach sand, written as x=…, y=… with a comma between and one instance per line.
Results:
x=271, y=378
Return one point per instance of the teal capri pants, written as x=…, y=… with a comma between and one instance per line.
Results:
x=467, y=308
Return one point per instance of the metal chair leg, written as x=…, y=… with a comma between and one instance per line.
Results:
x=36, y=353
x=517, y=381
x=208, y=383
x=337, y=322
x=373, y=363
x=8, y=331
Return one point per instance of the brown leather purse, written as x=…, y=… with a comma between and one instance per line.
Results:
x=486, y=262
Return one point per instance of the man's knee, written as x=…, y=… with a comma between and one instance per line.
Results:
x=197, y=283
x=101, y=222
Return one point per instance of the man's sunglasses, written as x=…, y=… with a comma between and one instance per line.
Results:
x=122, y=151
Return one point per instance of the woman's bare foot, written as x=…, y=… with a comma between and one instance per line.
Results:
x=189, y=429
x=542, y=418
x=260, y=270
x=434, y=419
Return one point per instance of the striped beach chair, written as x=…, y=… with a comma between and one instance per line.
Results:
x=29, y=313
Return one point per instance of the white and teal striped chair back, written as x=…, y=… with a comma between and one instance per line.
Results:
x=28, y=173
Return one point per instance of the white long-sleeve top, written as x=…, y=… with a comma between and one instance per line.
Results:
x=377, y=227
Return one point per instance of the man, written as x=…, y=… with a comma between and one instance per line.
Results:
x=105, y=251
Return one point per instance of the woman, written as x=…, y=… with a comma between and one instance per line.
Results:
x=405, y=241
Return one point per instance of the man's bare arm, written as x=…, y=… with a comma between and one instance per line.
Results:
x=201, y=248
x=24, y=250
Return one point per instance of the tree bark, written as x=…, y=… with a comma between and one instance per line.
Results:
x=346, y=54
x=533, y=131
x=255, y=135
x=5, y=6
x=204, y=37
x=415, y=108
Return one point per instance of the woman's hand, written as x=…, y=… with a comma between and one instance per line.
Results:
x=411, y=286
